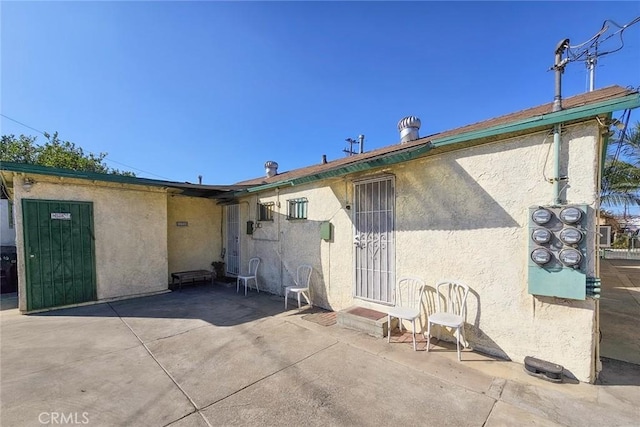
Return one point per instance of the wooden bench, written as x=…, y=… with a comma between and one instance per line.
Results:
x=192, y=275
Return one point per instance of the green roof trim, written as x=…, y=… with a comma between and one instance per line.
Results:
x=609, y=106
x=189, y=189
x=68, y=173
x=383, y=160
x=605, y=107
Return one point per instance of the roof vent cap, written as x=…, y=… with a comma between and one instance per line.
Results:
x=271, y=168
x=408, y=128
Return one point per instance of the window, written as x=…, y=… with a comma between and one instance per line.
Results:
x=265, y=211
x=297, y=208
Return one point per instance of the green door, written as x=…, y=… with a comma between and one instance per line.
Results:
x=59, y=253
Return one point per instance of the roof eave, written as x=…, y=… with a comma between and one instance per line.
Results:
x=562, y=116
x=360, y=166
x=185, y=188
x=572, y=114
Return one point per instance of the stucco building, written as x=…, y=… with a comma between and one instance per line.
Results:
x=457, y=204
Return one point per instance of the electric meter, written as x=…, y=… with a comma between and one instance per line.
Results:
x=570, y=257
x=541, y=235
x=541, y=256
x=541, y=216
x=570, y=236
x=570, y=215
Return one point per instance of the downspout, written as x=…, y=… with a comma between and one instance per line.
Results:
x=558, y=67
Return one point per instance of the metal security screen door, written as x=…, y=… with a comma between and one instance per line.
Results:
x=374, y=220
x=233, y=239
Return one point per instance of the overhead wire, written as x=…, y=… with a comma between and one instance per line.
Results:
x=23, y=124
x=626, y=115
x=594, y=41
x=46, y=135
x=622, y=135
x=620, y=31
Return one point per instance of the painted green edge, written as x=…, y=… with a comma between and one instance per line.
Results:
x=46, y=170
x=364, y=165
x=628, y=101
x=96, y=176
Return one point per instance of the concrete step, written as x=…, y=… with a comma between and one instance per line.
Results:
x=365, y=320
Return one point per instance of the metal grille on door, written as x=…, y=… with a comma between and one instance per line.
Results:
x=233, y=239
x=374, y=239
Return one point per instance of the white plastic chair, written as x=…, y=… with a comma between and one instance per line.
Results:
x=253, y=274
x=301, y=287
x=408, y=295
x=453, y=314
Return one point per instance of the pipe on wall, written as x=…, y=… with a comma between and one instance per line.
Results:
x=558, y=67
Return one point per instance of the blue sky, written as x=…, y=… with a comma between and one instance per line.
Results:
x=173, y=90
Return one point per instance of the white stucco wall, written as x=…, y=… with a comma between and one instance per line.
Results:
x=473, y=226
x=460, y=215
x=130, y=226
x=283, y=245
x=196, y=245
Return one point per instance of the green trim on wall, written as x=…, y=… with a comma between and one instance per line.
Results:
x=605, y=107
x=68, y=173
x=592, y=110
x=187, y=188
x=364, y=165
x=572, y=114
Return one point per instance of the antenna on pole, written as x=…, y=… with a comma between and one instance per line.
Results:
x=590, y=51
x=352, y=142
x=592, y=60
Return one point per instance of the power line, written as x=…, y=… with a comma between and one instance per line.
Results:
x=140, y=170
x=589, y=50
x=46, y=135
x=25, y=125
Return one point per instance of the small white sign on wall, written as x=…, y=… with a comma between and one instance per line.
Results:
x=61, y=215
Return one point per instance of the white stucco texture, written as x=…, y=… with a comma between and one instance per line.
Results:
x=194, y=233
x=130, y=233
x=461, y=215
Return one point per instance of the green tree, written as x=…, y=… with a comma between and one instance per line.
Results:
x=54, y=153
x=621, y=175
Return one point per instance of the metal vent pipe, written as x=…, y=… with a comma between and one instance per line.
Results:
x=408, y=128
x=271, y=168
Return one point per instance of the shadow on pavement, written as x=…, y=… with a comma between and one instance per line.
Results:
x=193, y=302
x=617, y=372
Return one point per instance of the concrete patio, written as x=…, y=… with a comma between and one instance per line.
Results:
x=208, y=356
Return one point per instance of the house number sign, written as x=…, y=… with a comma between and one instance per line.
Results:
x=61, y=215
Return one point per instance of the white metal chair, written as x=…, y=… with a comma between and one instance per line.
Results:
x=301, y=286
x=408, y=295
x=453, y=314
x=254, y=263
